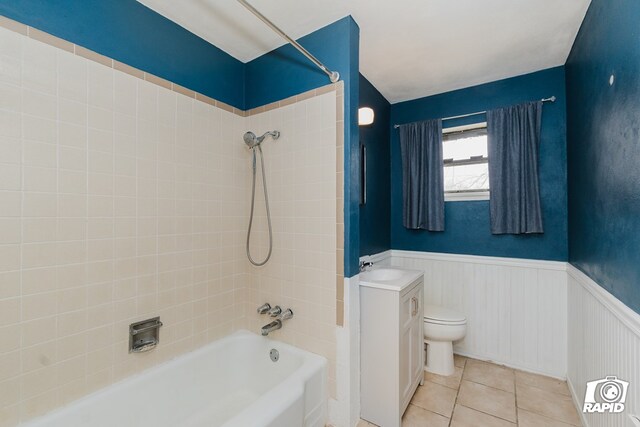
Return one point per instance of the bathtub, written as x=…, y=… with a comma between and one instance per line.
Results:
x=232, y=382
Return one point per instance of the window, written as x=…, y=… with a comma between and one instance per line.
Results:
x=466, y=163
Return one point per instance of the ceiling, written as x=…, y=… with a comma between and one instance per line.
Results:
x=408, y=48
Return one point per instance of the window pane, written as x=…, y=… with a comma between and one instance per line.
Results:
x=466, y=177
x=464, y=148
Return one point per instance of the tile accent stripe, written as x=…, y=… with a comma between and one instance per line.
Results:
x=54, y=41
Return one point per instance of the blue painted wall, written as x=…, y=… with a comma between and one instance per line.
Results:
x=129, y=32
x=284, y=72
x=351, y=156
x=604, y=148
x=467, y=223
x=375, y=215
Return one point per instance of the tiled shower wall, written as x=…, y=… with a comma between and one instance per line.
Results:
x=301, y=177
x=123, y=197
x=119, y=200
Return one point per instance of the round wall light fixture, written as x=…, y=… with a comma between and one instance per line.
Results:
x=365, y=116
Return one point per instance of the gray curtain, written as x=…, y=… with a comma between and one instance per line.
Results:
x=513, y=140
x=422, y=175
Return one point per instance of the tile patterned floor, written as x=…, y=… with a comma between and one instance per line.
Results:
x=482, y=394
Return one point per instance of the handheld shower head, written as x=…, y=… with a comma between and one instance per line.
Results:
x=252, y=140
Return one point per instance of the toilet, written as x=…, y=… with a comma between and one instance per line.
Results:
x=442, y=326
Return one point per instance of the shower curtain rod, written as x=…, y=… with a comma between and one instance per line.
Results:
x=334, y=76
x=550, y=99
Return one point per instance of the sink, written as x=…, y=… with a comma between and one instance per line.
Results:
x=390, y=278
x=385, y=274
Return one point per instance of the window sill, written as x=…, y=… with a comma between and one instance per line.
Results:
x=466, y=197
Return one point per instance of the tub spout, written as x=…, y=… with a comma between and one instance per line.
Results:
x=273, y=326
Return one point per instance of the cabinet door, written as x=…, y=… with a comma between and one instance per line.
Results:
x=417, y=341
x=411, y=342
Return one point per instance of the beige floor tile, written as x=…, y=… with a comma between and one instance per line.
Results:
x=529, y=419
x=467, y=417
x=435, y=398
x=490, y=375
x=489, y=400
x=459, y=361
x=418, y=417
x=552, y=405
x=551, y=385
x=452, y=381
x=363, y=423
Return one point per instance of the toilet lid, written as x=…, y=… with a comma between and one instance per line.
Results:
x=442, y=314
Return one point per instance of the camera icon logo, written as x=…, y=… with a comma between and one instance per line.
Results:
x=605, y=395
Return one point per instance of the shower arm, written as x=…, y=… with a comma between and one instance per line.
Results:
x=334, y=76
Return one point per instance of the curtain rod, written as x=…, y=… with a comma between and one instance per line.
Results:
x=334, y=76
x=550, y=99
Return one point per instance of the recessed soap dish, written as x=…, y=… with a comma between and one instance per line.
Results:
x=144, y=335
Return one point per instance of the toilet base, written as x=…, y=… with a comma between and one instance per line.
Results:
x=439, y=358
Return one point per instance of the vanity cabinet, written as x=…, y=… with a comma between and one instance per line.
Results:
x=391, y=347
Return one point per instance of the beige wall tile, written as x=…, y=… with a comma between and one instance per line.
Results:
x=9, y=311
x=9, y=337
x=38, y=331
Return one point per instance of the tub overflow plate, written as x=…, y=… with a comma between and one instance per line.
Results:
x=274, y=355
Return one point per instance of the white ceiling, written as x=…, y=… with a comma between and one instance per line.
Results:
x=408, y=48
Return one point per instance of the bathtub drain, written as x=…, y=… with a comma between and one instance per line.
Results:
x=274, y=355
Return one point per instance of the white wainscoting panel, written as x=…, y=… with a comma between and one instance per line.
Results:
x=604, y=340
x=516, y=309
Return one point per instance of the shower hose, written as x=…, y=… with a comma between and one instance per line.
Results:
x=266, y=202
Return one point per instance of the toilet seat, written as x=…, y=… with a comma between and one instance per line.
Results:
x=443, y=316
x=444, y=323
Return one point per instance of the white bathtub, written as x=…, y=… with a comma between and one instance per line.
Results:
x=231, y=382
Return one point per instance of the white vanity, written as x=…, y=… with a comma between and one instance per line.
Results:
x=391, y=342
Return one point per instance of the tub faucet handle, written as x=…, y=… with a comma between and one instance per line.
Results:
x=287, y=314
x=264, y=308
x=275, y=311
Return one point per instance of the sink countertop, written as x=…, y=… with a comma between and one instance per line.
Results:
x=389, y=278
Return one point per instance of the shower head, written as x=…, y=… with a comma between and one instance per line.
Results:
x=250, y=139
x=253, y=141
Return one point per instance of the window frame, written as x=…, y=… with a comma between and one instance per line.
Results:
x=465, y=195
